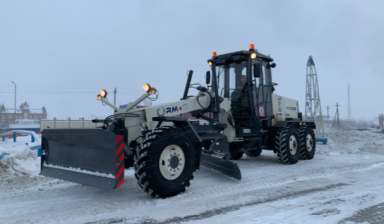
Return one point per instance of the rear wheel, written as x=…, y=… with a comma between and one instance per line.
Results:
x=287, y=144
x=164, y=162
x=308, y=142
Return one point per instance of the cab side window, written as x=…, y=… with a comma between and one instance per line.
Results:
x=265, y=74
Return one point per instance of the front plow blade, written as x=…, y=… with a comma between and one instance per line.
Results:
x=223, y=166
x=92, y=157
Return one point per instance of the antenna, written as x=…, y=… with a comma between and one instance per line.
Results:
x=312, y=96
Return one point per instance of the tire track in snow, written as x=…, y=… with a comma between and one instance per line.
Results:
x=215, y=211
x=254, y=184
x=232, y=191
x=221, y=195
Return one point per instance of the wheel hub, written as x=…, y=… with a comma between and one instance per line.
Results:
x=309, y=141
x=171, y=162
x=292, y=145
x=174, y=162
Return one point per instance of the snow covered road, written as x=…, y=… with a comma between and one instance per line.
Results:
x=342, y=184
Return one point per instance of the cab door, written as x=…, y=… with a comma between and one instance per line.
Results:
x=263, y=92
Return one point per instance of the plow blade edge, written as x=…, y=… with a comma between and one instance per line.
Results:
x=93, y=157
x=223, y=166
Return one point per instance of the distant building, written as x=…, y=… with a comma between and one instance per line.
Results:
x=23, y=116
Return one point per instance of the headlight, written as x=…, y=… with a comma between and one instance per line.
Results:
x=210, y=63
x=253, y=55
x=146, y=88
x=103, y=93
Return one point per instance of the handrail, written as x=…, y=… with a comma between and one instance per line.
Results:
x=14, y=132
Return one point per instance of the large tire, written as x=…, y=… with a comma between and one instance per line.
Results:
x=235, y=154
x=165, y=162
x=308, y=142
x=287, y=144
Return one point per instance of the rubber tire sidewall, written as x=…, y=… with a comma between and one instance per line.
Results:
x=291, y=159
x=304, y=154
x=156, y=181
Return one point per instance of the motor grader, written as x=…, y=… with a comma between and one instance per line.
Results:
x=243, y=116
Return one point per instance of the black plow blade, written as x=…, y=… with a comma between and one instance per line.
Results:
x=223, y=166
x=92, y=157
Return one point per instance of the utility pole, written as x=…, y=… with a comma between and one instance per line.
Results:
x=14, y=116
x=115, y=95
x=312, y=98
x=336, y=116
x=328, y=115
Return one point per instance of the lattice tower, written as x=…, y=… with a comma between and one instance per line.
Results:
x=312, y=96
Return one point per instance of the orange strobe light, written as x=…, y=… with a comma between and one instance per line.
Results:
x=251, y=47
x=98, y=96
x=214, y=54
x=153, y=90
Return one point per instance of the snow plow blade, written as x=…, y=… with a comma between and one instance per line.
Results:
x=88, y=156
x=223, y=166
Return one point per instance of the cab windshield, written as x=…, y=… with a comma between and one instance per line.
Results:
x=232, y=84
x=231, y=77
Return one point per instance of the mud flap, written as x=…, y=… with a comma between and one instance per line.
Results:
x=223, y=166
x=92, y=157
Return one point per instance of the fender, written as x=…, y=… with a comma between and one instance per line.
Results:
x=296, y=123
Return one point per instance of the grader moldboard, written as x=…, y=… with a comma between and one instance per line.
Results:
x=243, y=116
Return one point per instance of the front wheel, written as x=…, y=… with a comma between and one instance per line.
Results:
x=165, y=162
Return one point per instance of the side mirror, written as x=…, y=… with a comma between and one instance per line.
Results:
x=273, y=65
x=257, y=70
x=208, y=77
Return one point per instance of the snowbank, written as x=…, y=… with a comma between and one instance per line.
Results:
x=20, y=161
x=351, y=142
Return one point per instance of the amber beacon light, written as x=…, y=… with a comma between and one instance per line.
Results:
x=214, y=54
x=251, y=47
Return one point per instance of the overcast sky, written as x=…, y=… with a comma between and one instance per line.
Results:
x=61, y=54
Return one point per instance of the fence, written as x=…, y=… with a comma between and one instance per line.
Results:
x=69, y=123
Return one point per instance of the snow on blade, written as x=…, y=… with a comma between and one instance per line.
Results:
x=81, y=171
